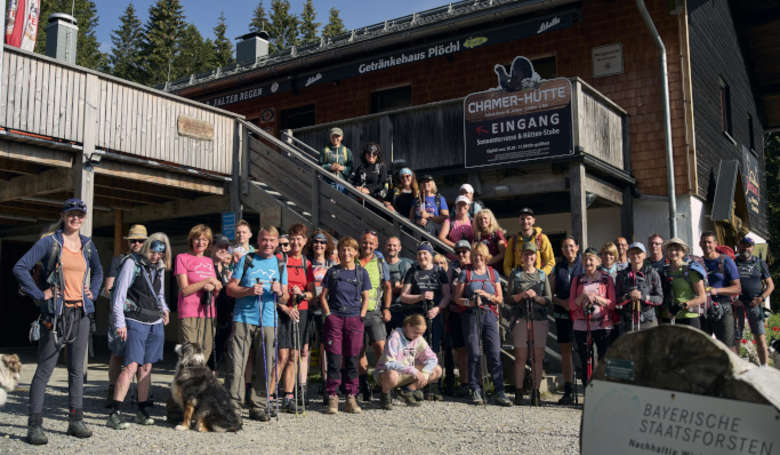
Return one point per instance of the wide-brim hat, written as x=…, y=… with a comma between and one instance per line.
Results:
x=137, y=232
x=677, y=241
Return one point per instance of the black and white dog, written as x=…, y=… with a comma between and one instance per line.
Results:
x=197, y=392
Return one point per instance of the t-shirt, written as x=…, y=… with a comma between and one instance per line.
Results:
x=657, y=265
x=397, y=272
x=430, y=205
x=196, y=268
x=591, y=286
x=297, y=276
x=427, y=280
x=318, y=270
x=344, y=296
x=491, y=241
x=373, y=269
x=403, y=203
x=718, y=278
x=537, y=281
x=247, y=309
x=74, y=266
x=113, y=269
x=752, y=271
x=682, y=289
x=478, y=281
x=461, y=230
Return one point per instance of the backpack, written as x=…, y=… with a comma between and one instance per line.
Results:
x=540, y=276
x=436, y=198
x=282, y=264
x=491, y=277
x=335, y=276
x=128, y=305
x=52, y=263
x=692, y=263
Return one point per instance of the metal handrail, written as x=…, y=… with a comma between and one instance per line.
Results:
x=314, y=151
x=348, y=186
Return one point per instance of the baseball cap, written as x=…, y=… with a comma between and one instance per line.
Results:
x=425, y=246
x=336, y=131
x=467, y=187
x=221, y=241
x=526, y=211
x=748, y=241
x=530, y=246
x=637, y=246
x=425, y=178
x=74, y=204
x=461, y=244
x=463, y=199
x=405, y=171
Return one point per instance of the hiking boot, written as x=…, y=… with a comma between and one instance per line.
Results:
x=258, y=414
x=289, y=405
x=501, y=400
x=333, y=404
x=110, y=396
x=427, y=394
x=448, y=386
x=386, y=401
x=35, y=434
x=476, y=397
x=351, y=405
x=143, y=418
x=419, y=395
x=408, y=396
x=568, y=394
x=115, y=422
x=78, y=429
x=435, y=392
x=518, y=398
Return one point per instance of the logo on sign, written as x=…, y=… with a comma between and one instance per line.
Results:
x=474, y=42
x=547, y=25
x=313, y=79
x=274, y=87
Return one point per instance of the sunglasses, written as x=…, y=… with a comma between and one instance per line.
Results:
x=285, y=244
x=76, y=215
x=136, y=241
x=320, y=242
x=371, y=233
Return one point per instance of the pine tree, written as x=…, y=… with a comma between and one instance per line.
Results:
x=283, y=27
x=335, y=25
x=308, y=27
x=259, y=21
x=126, y=59
x=193, y=54
x=162, y=33
x=223, y=48
x=87, y=48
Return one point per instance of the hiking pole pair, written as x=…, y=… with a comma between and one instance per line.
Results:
x=296, y=323
x=262, y=346
x=478, y=312
x=531, y=342
x=276, y=351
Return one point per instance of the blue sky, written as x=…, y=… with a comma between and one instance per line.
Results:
x=204, y=13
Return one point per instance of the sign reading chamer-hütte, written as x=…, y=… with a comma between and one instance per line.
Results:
x=525, y=118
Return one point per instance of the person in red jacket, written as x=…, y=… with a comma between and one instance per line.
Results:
x=592, y=305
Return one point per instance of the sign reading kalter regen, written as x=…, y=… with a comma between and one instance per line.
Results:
x=525, y=118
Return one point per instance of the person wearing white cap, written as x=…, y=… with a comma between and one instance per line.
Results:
x=337, y=157
x=460, y=227
x=474, y=205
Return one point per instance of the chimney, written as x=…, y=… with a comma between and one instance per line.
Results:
x=61, y=36
x=251, y=46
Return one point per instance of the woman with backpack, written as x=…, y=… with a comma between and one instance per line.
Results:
x=344, y=292
x=426, y=291
x=319, y=249
x=592, y=306
x=488, y=231
x=67, y=286
x=460, y=226
x=683, y=285
x=479, y=290
x=139, y=313
x=430, y=210
x=529, y=287
x=370, y=177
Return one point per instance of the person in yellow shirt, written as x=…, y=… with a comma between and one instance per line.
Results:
x=545, y=260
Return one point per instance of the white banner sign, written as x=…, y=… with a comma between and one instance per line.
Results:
x=627, y=419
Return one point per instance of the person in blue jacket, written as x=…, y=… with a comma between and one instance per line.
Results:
x=67, y=284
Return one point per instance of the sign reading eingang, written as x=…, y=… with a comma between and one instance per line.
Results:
x=525, y=118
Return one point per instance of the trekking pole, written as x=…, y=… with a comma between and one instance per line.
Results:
x=529, y=325
x=265, y=360
x=296, y=348
x=478, y=311
x=276, y=352
x=574, y=373
x=635, y=306
x=588, y=344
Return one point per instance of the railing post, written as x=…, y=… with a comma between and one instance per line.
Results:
x=579, y=206
x=83, y=171
x=236, y=171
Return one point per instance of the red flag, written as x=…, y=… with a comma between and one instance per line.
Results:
x=21, y=27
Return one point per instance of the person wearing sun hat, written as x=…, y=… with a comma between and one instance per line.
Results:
x=683, y=285
x=136, y=236
x=72, y=275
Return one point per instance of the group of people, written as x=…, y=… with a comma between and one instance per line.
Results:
x=257, y=309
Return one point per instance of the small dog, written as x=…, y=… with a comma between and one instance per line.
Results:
x=196, y=390
x=10, y=369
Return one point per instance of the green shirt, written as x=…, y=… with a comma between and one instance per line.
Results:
x=377, y=279
x=683, y=289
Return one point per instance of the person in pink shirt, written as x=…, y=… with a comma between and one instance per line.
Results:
x=198, y=286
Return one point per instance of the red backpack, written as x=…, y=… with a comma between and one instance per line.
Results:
x=493, y=280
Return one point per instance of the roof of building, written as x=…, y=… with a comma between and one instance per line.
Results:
x=403, y=29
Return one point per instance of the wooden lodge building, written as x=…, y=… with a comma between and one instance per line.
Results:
x=402, y=83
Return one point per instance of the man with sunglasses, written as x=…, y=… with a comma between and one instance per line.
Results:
x=136, y=236
x=379, y=298
x=284, y=244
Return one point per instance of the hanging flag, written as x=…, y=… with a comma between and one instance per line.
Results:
x=21, y=21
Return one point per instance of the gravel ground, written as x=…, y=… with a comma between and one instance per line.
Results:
x=447, y=428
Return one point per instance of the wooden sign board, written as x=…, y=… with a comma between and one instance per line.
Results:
x=194, y=128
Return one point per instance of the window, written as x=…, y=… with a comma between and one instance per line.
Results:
x=725, y=108
x=751, y=136
x=392, y=98
x=297, y=117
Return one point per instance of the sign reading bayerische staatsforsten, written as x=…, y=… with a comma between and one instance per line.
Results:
x=454, y=45
x=525, y=118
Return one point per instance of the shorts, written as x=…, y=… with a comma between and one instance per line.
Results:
x=374, y=328
x=144, y=343
x=520, y=334
x=455, y=331
x=286, y=333
x=115, y=343
x=564, y=329
x=723, y=329
x=755, y=317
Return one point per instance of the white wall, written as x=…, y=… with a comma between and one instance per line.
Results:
x=603, y=225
